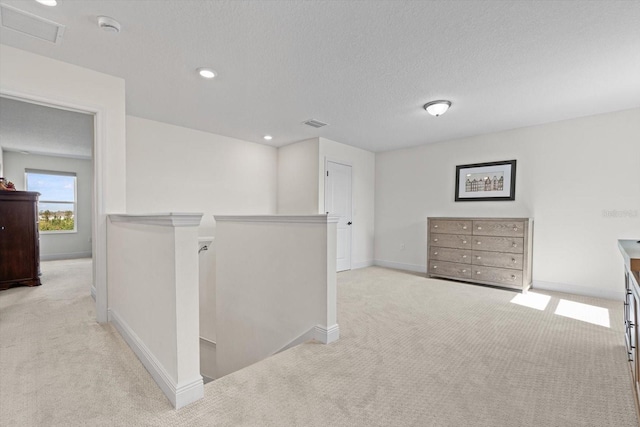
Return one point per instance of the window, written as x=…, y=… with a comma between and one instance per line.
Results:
x=57, y=203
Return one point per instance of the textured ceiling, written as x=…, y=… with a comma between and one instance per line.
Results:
x=364, y=67
x=44, y=130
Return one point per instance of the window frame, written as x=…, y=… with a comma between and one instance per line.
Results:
x=28, y=171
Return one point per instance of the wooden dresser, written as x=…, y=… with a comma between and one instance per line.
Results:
x=630, y=250
x=490, y=251
x=19, y=239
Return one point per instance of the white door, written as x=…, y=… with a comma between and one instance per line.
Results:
x=337, y=198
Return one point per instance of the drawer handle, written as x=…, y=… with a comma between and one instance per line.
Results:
x=435, y=253
x=515, y=228
x=464, y=227
x=513, y=277
x=479, y=242
x=435, y=240
x=464, y=271
x=435, y=266
x=464, y=256
x=514, y=260
x=464, y=242
x=477, y=272
x=515, y=245
x=479, y=228
x=478, y=257
x=435, y=226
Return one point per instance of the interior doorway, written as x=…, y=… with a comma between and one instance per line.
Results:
x=338, y=202
x=46, y=148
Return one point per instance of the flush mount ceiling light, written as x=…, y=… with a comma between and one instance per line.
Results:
x=268, y=137
x=206, y=73
x=109, y=25
x=50, y=3
x=437, y=108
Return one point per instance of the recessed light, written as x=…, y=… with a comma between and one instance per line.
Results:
x=49, y=3
x=268, y=137
x=206, y=73
x=437, y=108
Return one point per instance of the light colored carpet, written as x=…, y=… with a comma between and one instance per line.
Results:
x=413, y=352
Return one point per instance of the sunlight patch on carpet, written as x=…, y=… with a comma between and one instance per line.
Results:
x=532, y=300
x=584, y=312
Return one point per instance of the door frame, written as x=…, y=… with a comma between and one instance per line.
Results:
x=328, y=159
x=98, y=214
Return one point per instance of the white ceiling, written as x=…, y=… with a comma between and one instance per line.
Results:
x=37, y=129
x=364, y=67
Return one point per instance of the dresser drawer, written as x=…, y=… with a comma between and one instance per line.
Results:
x=498, y=276
x=498, y=228
x=497, y=259
x=452, y=255
x=450, y=241
x=450, y=226
x=498, y=244
x=450, y=269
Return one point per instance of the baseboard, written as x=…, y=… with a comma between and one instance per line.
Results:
x=578, y=290
x=307, y=336
x=361, y=264
x=328, y=334
x=208, y=359
x=179, y=395
x=401, y=266
x=189, y=392
x=71, y=255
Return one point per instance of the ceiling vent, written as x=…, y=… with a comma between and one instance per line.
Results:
x=30, y=24
x=314, y=123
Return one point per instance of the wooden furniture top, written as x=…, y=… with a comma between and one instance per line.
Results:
x=631, y=253
x=18, y=195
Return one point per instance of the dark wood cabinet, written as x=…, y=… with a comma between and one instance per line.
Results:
x=19, y=239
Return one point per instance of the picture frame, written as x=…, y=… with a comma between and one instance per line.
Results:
x=492, y=181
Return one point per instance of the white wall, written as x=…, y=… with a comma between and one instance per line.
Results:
x=363, y=193
x=298, y=178
x=153, y=297
x=301, y=181
x=276, y=283
x=171, y=168
x=59, y=245
x=1, y=162
x=28, y=76
x=570, y=176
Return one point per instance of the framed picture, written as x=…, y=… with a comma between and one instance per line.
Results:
x=486, y=181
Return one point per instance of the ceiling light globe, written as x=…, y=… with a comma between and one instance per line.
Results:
x=206, y=73
x=437, y=108
x=268, y=137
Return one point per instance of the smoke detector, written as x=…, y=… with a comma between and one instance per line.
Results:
x=109, y=25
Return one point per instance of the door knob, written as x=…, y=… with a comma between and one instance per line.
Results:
x=349, y=223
